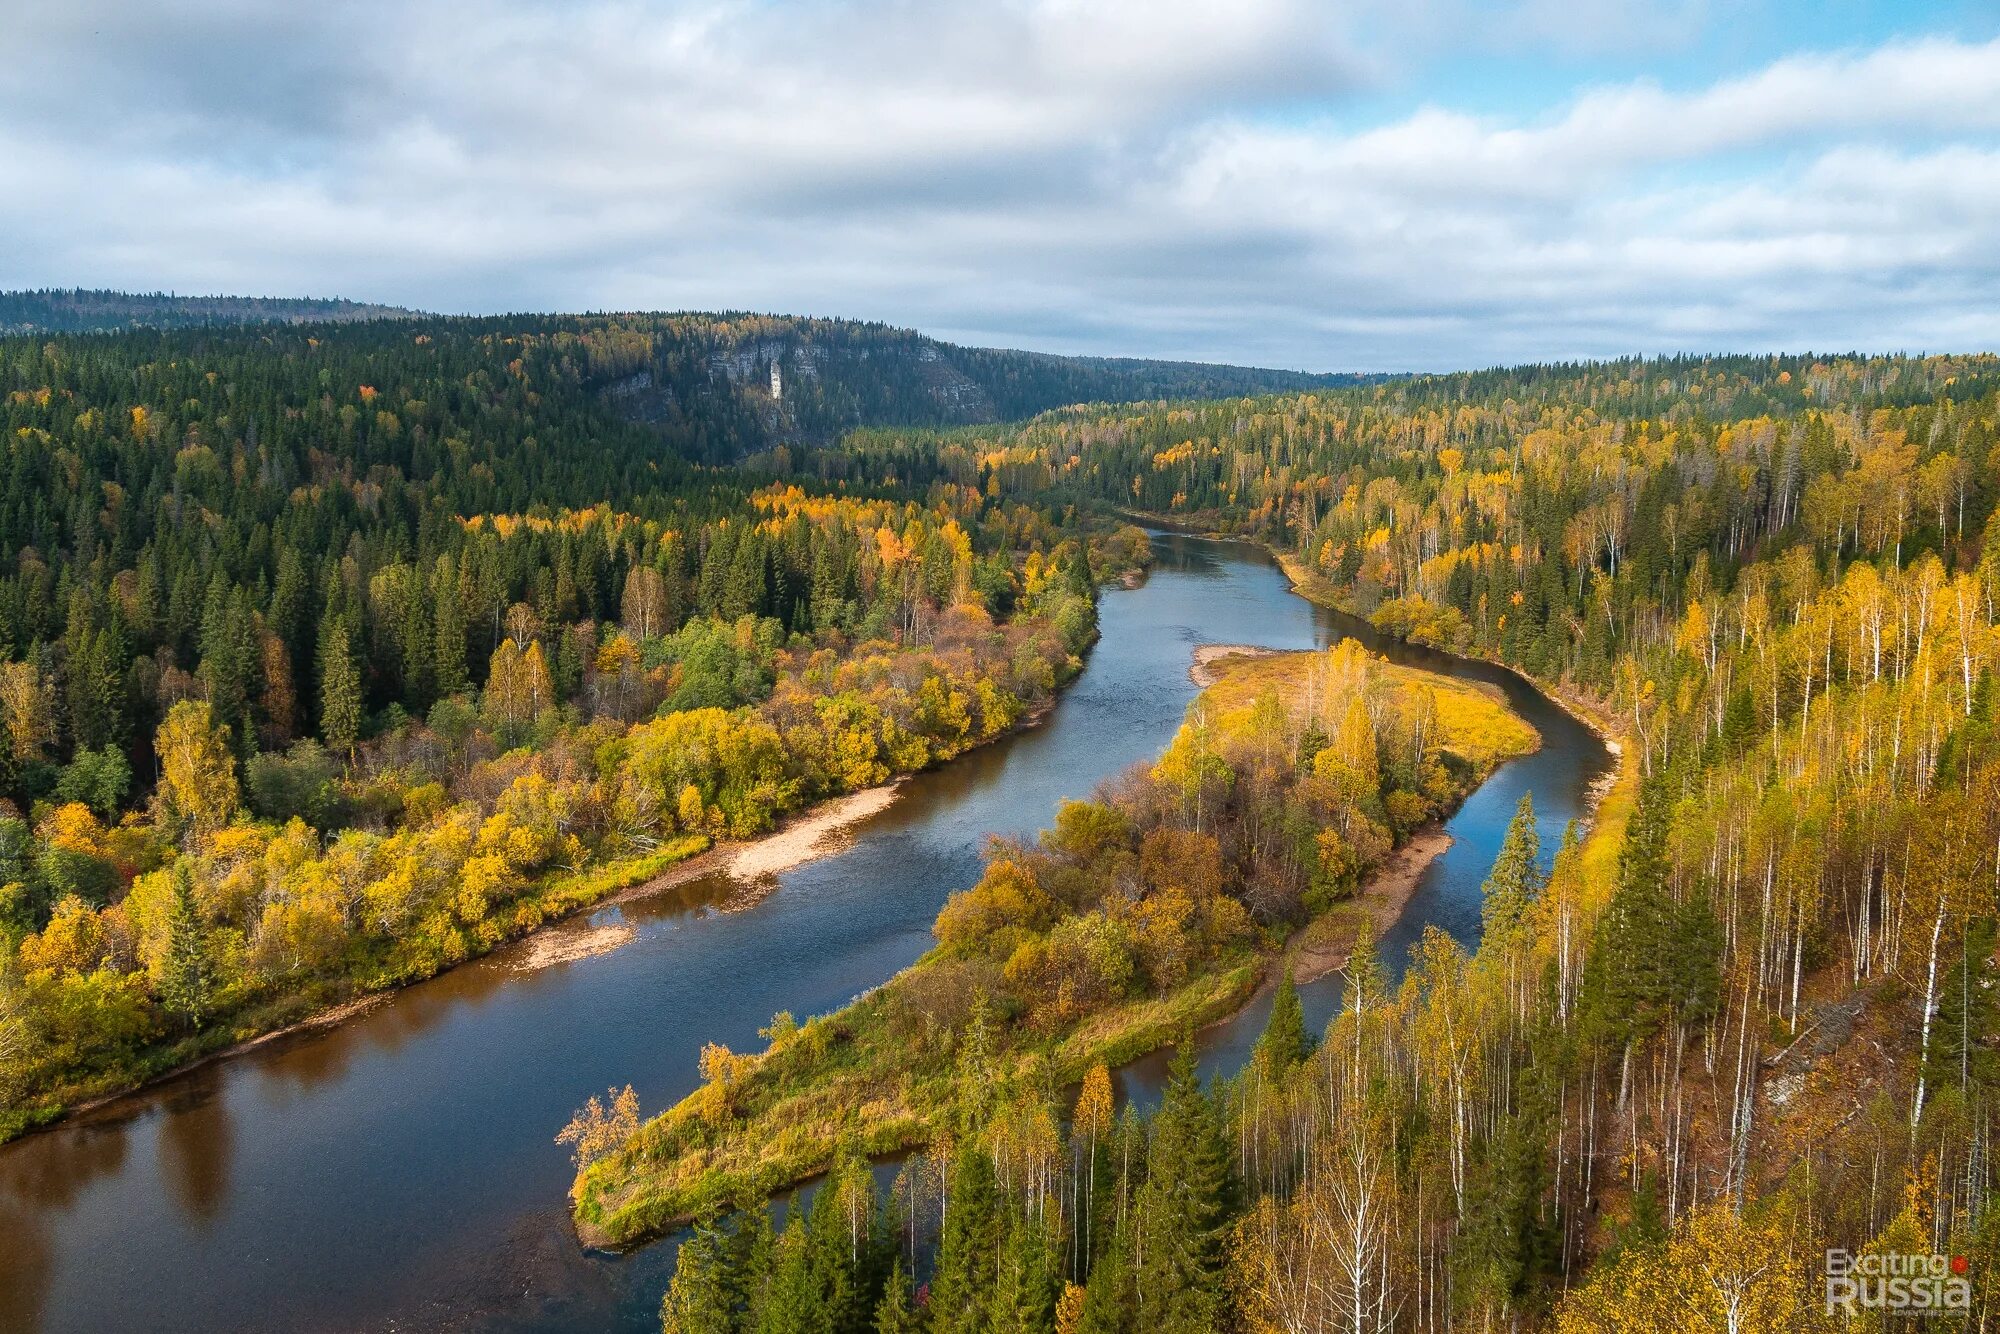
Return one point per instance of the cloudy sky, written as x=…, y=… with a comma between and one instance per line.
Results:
x=1379, y=184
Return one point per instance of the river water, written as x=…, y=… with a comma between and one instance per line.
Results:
x=399, y=1172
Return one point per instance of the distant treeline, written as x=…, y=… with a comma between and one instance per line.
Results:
x=664, y=369
x=99, y=310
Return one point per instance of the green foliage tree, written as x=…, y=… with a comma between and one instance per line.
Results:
x=1183, y=1209
x=187, y=982
x=1285, y=1042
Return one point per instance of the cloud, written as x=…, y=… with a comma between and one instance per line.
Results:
x=1166, y=178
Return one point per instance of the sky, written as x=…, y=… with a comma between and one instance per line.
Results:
x=1368, y=185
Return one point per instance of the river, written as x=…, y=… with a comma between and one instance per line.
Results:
x=398, y=1172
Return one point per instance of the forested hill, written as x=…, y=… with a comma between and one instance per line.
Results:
x=704, y=379
x=837, y=374
x=97, y=310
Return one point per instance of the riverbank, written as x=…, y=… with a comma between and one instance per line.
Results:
x=1612, y=795
x=339, y=999
x=882, y=1074
x=1325, y=944
x=1206, y=669
x=561, y=939
x=797, y=840
x=387, y=968
x=1317, y=588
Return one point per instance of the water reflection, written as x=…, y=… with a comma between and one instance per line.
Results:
x=195, y=1147
x=77, y=1157
x=24, y=1278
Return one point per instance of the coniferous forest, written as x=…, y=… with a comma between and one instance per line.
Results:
x=334, y=654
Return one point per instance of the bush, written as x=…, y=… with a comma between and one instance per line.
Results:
x=302, y=783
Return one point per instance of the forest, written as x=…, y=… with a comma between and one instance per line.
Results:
x=332, y=654
x=1747, y=1018
x=320, y=671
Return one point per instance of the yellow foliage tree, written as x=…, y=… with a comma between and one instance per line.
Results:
x=197, y=772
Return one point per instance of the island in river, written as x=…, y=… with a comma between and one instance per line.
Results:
x=1295, y=809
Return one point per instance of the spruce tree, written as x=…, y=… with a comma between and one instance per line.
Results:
x=968, y=1259
x=340, y=688
x=791, y=1302
x=1965, y=1018
x=698, y=1300
x=1367, y=983
x=840, y=1231
x=448, y=629
x=186, y=976
x=1285, y=1041
x=1516, y=878
x=1182, y=1210
x=1024, y=1297
x=1109, y=1301
x=1628, y=976
x=896, y=1313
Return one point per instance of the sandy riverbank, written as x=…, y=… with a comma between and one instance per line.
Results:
x=1324, y=946
x=1208, y=657
x=549, y=948
x=804, y=837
